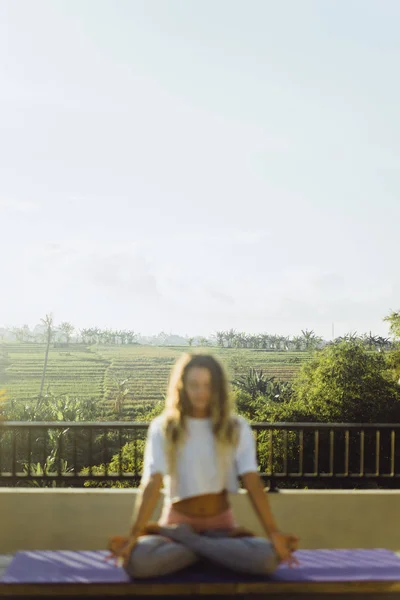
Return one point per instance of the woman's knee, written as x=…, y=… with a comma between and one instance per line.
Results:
x=143, y=561
x=266, y=560
x=138, y=567
x=272, y=561
x=154, y=556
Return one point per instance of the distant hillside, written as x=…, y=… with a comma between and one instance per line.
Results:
x=95, y=371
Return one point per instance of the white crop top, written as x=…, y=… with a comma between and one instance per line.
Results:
x=197, y=471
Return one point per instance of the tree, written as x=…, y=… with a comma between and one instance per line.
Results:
x=394, y=323
x=230, y=336
x=240, y=340
x=346, y=383
x=50, y=407
x=19, y=334
x=48, y=323
x=120, y=395
x=343, y=383
x=94, y=334
x=106, y=336
x=220, y=337
x=26, y=333
x=85, y=333
x=131, y=336
x=257, y=407
x=67, y=329
x=121, y=333
x=298, y=342
x=370, y=341
x=311, y=340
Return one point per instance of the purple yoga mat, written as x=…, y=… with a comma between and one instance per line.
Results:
x=315, y=565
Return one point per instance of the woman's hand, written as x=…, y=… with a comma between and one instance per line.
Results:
x=285, y=545
x=121, y=549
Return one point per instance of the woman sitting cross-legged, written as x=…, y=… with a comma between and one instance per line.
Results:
x=198, y=448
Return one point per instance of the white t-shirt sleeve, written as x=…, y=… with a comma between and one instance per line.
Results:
x=154, y=453
x=246, y=454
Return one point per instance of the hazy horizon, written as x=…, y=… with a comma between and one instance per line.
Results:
x=195, y=166
x=211, y=335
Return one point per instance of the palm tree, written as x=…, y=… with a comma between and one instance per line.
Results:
x=220, y=337
x=92, y=335
x=245, y=340
x=131, y=336
x=122, y=336
x=394, y=323
x=100, y=336
x=85, y=334
x=307, y=338
x=273, y=339
x=48, y=323
x=241, y=340
x=311, y=340
x=120, y=395
x=265, y=341
x=26, y=333
x=298, y=342
x=19, y=333
x=352, y=336
x=249, y=341
x=109, y=336
x=96, y=334
x=230, y=336
x=67, y=329
x=383, y=343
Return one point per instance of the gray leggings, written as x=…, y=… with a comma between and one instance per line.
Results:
x=154, y=555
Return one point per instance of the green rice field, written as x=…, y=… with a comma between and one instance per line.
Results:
x=94, y=371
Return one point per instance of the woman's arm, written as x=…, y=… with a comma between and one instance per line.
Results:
x=148, y=502
x=154, y=469
x=121, y=547
x=246, y=466
x=284, y=544
x=259, y=499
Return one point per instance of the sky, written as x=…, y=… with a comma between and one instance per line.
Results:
x=189, y=166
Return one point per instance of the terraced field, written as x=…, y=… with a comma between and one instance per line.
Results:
x=146, y=367
x=96, y=371
x=76, y=371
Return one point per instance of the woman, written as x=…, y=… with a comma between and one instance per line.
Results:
x=198, y=448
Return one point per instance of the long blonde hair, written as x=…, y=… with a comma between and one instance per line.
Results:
x=177, y=407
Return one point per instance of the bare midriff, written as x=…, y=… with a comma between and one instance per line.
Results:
x=207, y=505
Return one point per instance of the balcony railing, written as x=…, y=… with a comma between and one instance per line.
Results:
x=318, y=455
